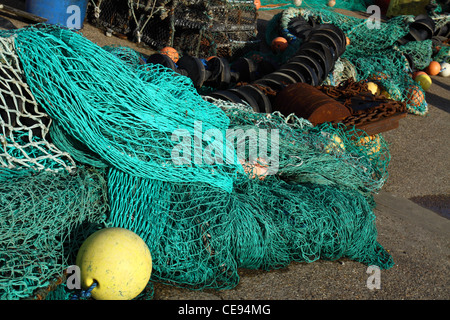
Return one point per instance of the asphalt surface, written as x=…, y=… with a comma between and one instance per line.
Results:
x=416, y=237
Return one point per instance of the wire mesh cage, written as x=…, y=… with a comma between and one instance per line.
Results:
x=111, y=14
x=196, y=27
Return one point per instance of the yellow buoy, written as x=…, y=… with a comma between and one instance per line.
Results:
x=334, y=143
x=385, y=94
x=373, y=87
x=370, y=144
x=118, y=260
x=424, y=80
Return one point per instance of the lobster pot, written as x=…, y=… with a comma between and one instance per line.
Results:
x=231, y=30
x=234, y=44
x=157, y=33
x=111, y=14
x=221, y=44
x=197, y=27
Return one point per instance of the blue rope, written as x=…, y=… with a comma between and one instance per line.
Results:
x=84, y=294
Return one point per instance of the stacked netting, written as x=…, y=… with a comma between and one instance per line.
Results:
x=44, y=217
x=210, y=186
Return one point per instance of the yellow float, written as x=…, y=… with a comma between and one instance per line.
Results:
x=334, y=144
x=118, y=261
x=372, y=144
x=373, y=87
x=424, y=80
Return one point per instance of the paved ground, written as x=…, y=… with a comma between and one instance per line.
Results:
x=417, y=238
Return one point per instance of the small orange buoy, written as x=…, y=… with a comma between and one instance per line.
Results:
x=257, y=4
x=433, y=68
x=171, y=53
x=347, y=40
x=279, y=44
x=415, y=96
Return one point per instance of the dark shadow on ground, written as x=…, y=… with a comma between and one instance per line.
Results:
x=437, y=203
x=437, y=100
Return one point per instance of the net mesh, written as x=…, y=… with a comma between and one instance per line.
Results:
x=200, y=235
x=197, y=27
x=25, y=126
x=201, y=220
x=44, y=218
x=132, y=134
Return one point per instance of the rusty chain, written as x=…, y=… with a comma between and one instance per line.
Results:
x=350, y=92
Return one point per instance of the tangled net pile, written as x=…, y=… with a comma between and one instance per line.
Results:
x=202, y=220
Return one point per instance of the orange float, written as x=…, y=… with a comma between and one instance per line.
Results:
x=279, y=44
x=257, y=4
x=370, y=144
x=415, y=96
x=347, y=41
x=433, y=68
x=172, y=53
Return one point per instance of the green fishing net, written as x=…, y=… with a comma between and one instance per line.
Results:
x=353, y=5
x=290, y=191
x=126, y=54
x=318, y=205
x=129, y=126
x=44, y=218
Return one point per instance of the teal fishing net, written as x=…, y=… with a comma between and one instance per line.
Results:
x=200, y=235
x=128, y=123
x=306, y=193
x=44, y=217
